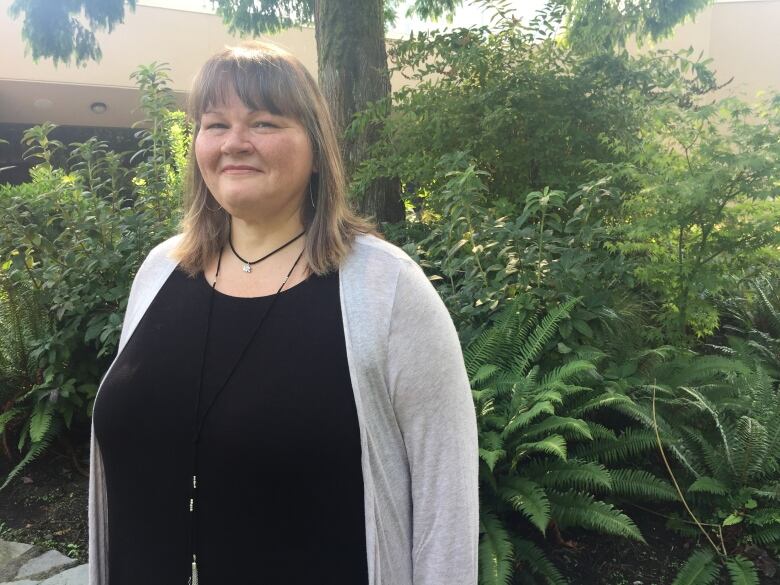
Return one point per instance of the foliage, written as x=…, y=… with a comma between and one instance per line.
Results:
x=594, y=25
x=56, y=29
x=719, y=418
x=479, y=255
x=701, y=205
x=529, y=421
x=751, y=324
x=74, y=237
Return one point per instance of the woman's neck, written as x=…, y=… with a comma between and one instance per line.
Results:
x=254, y=240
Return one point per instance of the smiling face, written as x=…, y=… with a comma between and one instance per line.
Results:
x=256, y=164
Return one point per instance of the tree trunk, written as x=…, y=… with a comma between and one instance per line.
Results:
x=352, y=67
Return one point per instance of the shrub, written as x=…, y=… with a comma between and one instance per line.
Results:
x=74, y=237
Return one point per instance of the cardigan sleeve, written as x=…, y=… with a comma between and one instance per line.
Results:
x=435, y=412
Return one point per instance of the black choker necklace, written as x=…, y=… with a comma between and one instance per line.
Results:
x=247, y=264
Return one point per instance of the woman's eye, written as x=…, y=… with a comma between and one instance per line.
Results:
x=215, y=125
x=263, y=124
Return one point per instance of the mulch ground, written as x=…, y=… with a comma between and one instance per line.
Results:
x=46, y=505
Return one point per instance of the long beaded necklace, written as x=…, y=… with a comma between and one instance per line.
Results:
x=198, y=425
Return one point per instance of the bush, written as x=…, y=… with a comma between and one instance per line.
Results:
x=73, y=238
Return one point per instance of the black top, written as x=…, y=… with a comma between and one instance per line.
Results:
x=280, y=485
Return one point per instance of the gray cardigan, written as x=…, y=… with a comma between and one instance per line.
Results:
x=418, y=428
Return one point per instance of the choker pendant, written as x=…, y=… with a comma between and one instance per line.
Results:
x=247, y=267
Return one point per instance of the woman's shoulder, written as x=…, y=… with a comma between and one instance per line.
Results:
x=372, y=248
x=373, y=255
x=158, y=262
x=162, y=251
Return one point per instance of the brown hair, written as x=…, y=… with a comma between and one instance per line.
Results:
x=265, y=76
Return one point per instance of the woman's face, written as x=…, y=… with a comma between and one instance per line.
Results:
x=255, y=164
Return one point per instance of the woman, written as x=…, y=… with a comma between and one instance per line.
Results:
x=289, y=402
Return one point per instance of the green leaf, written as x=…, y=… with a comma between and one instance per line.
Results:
x=40, y=421
x=582, y=510
x=708, y=485
x=495, y=551
x=529, y=499
x=553, y=445
x=491, y=457
x=699, y=569
x=742, y=571
x=732, y=519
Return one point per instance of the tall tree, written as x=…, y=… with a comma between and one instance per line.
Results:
x=352, y=57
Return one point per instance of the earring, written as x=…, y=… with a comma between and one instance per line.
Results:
x=311, y=196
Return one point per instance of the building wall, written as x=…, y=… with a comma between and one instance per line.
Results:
x=743, y=40
x=182, y=39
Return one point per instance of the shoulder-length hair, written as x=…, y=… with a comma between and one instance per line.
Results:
x=266, y=77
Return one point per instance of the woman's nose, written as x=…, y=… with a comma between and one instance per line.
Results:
x=235, y=140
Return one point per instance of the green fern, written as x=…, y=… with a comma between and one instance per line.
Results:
x=578, y=509
x=495, y=551
x=742, y=571
x=529, y=421
x=528, y=498
x=638, y=485
x=699, y=569
x=35, y=450
x=533, y=560
x=708, y=485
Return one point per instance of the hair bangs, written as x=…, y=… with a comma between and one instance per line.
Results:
x=259, y=80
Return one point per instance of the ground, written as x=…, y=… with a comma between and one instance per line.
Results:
x=48, y=506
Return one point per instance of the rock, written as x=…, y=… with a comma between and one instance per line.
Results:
x=11, y=550
x=12, y=556
x=45, y=565
x=75, y=576
x=25, y=582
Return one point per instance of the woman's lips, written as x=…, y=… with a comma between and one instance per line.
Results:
x=239, y=170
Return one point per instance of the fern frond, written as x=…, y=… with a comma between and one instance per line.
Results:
x=641, y=485
x=606, y=400
x=560, y=424
x=553, y=445
x=699, y=569
x=525, y=416
x=531, y=558
x=750, y=449
x=33, y=453
x=630, y=445
x=768, y=535
x=495, y=551
x=708, y=485
x=570, y=474
x=582, y=510
x=41, y=420
x=529, y=499
x=539, y=337
x=491, y=457
x=567, y=372
x=8, y=416
x=763, y=291
x=742, y=571
x=484, y=374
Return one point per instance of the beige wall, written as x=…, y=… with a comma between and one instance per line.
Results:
x=182, y=39
x=743, y=40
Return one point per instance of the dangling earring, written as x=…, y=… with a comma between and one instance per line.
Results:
x=311, y=196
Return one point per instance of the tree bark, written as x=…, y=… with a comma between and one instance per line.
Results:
x=352, y=69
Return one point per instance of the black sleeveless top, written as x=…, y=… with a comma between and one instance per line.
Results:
x=280, y=485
